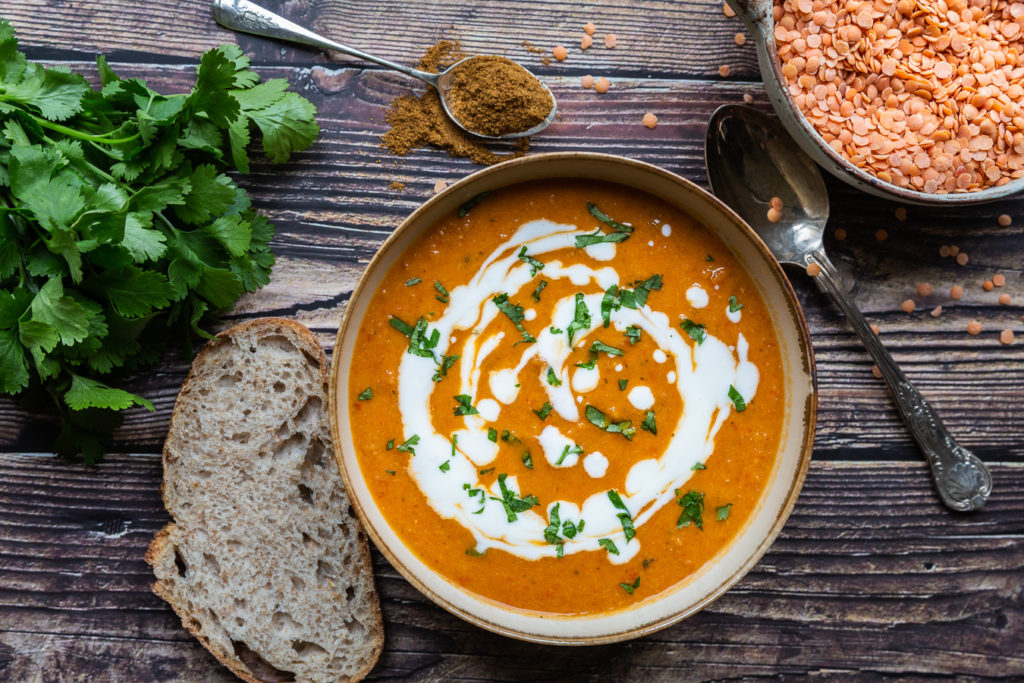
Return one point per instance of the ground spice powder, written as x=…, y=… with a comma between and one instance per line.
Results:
x=495, y=96
x=421, y=122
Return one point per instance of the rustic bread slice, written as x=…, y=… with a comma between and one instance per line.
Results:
x=265, y=562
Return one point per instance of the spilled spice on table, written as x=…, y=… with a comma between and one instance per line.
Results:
x=420, y=121
x=495, y=96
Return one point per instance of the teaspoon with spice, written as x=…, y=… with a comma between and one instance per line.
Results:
x=488, y=96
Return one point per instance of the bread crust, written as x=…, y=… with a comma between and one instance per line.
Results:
x=161, y=549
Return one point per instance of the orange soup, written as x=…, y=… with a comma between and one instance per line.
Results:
x=566, y=397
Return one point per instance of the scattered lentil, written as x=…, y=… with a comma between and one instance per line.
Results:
x=936, y=312
x=974, y=328
x=440, y=186
x=775, y=203
x=901, y=214
x=727, y=11
x=962, y=259
x=748, y=98
x=610, y=40
x=874, y=328
x=586, y=41
x=908, y=306
x=1004, y=220
x=954, y=250
x=840, y=234
x=740, y=38
x=650, y=120
x=925, y=289
x=724, y=71
x=601, y=85
x=987, y=285
x=944, y=251
x=881, y=234
x=1004, y=299
x=1006, y=337
x=999, y=279
x=560, y=53
x=774, y=215
x=813, y=269
x=924, y=94
x=876, y=371
x=589, y=28
x=587, y=81
x=956, y=292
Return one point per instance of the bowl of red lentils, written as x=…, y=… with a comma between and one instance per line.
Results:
x=920, y=101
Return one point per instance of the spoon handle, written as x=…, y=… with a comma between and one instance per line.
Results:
x=248, y=17
x=962, y=480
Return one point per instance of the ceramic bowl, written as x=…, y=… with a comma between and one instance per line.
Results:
x=793, y=456
x=757, y=15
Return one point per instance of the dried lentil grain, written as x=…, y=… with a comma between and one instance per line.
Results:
x=727, y=11
x=924, y=289
x=987, y=285
x=1004, y=299
x=589, y=28
x=956, y=292
x=999, y=279
x=840, y=234
x=560, y=53
x=813, y=269
x=740, y=38
x=601, y=85
x=936, y=312
x=1006, y=337
x=974, y=328
x=724, y=70
x=650, y=120
x=962, y=259
x=1004, y=220
x=610, y=40
x=908, y=306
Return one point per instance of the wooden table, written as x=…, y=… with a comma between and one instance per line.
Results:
x=870, y=575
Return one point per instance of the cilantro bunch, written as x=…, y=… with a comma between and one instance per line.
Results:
x=119, y=228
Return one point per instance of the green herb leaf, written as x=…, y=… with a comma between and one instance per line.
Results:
x=527, y=459
x=598, y=419
x=630, y=587
x=391, y=472
x=389, y=445
x=601, y=216
x=473, y=552
x=413, y=281
x=575, y=449
x=736, y=399
x=444, y=467
x=465, y=208
x=400, y=325
x=407, y=445
x=600, y=347
x=697, y=466
x=487, y=471
x=709, y=258
x=622, y=384
x=722, y=512
x=540, y=288
x=492, y=434
x=441, y=291
x=734, y=304
x=515, y=313
x=554, y=522
x=544, y=411
x=633, y=333
x=465, y=405
x=609, y=545
x=420, y=343
x=444, y=366
x=553, y=378
x=609, y=302
x=697, y=332
x=648, y=423
x=624, y=517
x=366, y=394
x=512, y=504
x=581, y=318
x=693, y=509
x=535, y=265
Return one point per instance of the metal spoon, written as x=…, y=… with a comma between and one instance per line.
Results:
x=750, y=159
x=242, y=15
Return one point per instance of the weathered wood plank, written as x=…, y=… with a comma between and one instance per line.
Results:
x=686, y=39
x=333, y=209
x=870, y=574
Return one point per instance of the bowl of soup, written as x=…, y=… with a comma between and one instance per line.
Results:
x=573, y=398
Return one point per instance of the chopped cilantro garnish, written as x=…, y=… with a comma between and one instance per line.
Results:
x=696, y=331
x=487, y=471
x=473, y=552
x=442, y=293
x=622, y=384
x=609, y=545
x=391, y=472
x=723, y=512
x=603, y=217
x=648, y=423
x=407, y=445
x=444, y=366
x=623, y=514
x=366, y=394
x=581, y=319
x=455, y=442
x=444, y=467
x=600, y=347
x=569, y=529
x=400, y=325
x=555, y=330
x=737, y=399
x=509, y=437
x=551, y=530
x=413, y=281
x=465, y=405
x=575, y=449
x=609, y=303
x=589, y=365
x=535, y=265
x=693, y=509
x=598, y=419
x=544, y=411
x=389, y=445
x=419, y=343
x=599, y=237
x=527, y=459
x=553, y=378
x=515, y=314
x=648, y=561
x=697, y=466
x=633, y=333
x=492, y=434
x=540, y=288
x=709, y=258
x=512, y=504
x=734, y=304
x=630, y=587
x=465, y=208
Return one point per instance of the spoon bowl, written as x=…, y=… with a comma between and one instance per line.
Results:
x=246, y=16
x=750, y=160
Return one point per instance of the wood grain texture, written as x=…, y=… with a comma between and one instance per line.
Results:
x=869, y=575
x=333, y=208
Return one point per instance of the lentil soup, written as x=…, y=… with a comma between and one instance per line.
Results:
x=566, y=397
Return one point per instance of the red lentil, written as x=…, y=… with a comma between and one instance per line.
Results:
x=813, y=269
x=987, y=285
x=610, y=40
x=1004, y=220
x=999, y=280
x=724, y=70
x=560, y=53
x=908, y=306
x=650, y=120
x=589, y=29
x=962, y=259
x=974, y=328
x=1004, y=299
x=936, y=312
x=586, y=41
x=924, y=289
x=956, y=292
x=601, y=85
x=840, y=234
x=1006, y=337
x=587, y=81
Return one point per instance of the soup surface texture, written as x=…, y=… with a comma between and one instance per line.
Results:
x=567, y=399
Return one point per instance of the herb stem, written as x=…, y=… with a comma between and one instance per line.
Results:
x=71, y=132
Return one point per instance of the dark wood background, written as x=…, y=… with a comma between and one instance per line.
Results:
x=871, y=576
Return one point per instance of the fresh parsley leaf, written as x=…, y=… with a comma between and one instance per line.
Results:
x=420, y=343
x=487, y=471
x=509, y=437
x=544, y=411
x=601, y=216
x=600, y=347
x=413, y=281
x=693, y=509
x=400, y=325
x=512, y=504
x=696, y=331
x=628, y=530
x=444, y=366
x=734, y=304
x=599, y=419
x=569, y=530
x=697, y=466
x=554, y=330
x=648, y=423
x=468, y=206
x=609, y=545
x=540, y=288
x=709, y=258
x=389, y=445
x=527, y=459
x=599, y=238
x=442, y=293
x=366, y=394
x=535, y=265
x=553, y=378
x=465, y=405
x=609, y=303
x=445, y=466
x=722, y=512
x=633, y=333
x=515, y=313
x=736, y=399
x=554, y=522
x=492, y=434
x=622, y=384
x=473, y=552
x=581, y=318
x=568, y=450
x=630, y=587
x=407, y=445
x=590, y=363
x=391, y=472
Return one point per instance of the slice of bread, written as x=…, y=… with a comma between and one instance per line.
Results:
x=265, y=562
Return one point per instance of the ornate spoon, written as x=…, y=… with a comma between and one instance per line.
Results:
x=246, y=16
x=750, y=159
